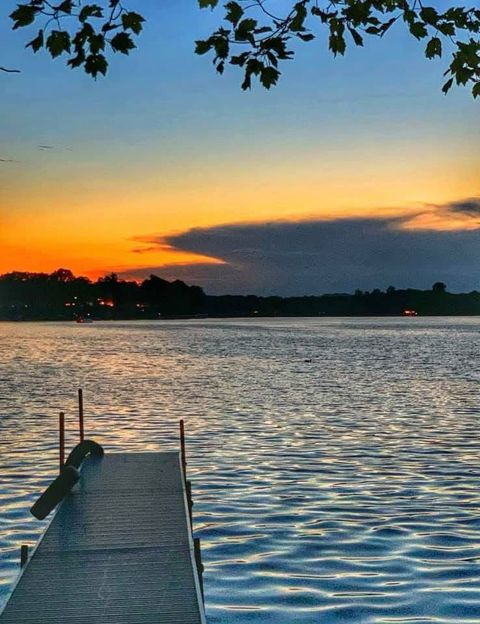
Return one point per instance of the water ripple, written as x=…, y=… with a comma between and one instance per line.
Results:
x=335, y=461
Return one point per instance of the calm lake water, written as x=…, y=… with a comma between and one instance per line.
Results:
x=336, y=462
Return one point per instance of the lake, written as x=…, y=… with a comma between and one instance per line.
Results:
x=335, y=462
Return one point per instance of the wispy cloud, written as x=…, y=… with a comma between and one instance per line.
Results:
x=54, y=147
x=469, y=207
x=142, y=250
x=463, y=214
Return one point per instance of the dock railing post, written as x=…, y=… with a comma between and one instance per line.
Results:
x=188, y=484
x=200, y=566
x=182, y=446
x=80, y=414
x=61, y=439
x=23, y=555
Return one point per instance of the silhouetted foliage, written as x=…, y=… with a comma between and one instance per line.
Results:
x=254, y=36
x=439, y=287
x=62, y=296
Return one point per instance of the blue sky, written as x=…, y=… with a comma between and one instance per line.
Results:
x=164, y=144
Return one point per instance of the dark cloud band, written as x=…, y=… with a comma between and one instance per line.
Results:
x=319, y=256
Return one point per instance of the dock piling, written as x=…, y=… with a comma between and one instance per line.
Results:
x=80, y=414
x=182, y=446
x=199, y=564
x=23, y=555
x=61, y=440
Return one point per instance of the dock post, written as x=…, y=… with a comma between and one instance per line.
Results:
x=23, y=555
x=80, y=414
x=200, y=566
x=182, y=446
x=61, y=439
x=188, y=485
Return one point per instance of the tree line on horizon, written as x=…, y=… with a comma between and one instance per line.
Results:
x=63, y=296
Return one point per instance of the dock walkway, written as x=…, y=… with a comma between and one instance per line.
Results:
x=119, y=550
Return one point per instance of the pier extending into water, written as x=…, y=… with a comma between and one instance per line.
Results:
x=119, y=549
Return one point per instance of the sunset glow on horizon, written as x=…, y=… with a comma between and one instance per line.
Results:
x=100, y=170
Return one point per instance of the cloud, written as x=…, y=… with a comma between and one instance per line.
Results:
x=53, y=147
x=463, y=214
x=469, y=207
x=142, y=250
x=318, y=256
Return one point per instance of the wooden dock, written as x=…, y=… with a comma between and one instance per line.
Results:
x=119, y=550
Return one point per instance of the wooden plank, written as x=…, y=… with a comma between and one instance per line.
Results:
x=119, y=549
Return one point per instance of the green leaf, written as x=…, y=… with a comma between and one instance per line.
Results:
x=133, y=21
x=247, y=82
x=122, y=42
x=463, y=75
x=222, y=47
x=66, y=6
x=83, y=34
x=434, y=48
x=298, y=20
x=234, y=12
x=58, y=42
x=305, y=36
x=96, y=64
x=269, y=76
x=97, y=43
x=447, y=29
x=429, y=15
x=36, y=43
x=78, y=60
x=418, y=30
x=240, y=59
x=90, y=10
x=476, y=90
x=23, y=15
x=276, y=45
x=337, y=44
x=204, y=4
x=203, y=46
x=356, y=36
x=447, y=86
x=244, y=29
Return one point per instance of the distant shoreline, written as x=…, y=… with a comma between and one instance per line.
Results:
x=61, y=296
x=233, y=318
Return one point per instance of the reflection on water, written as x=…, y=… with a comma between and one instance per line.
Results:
x=336, y=462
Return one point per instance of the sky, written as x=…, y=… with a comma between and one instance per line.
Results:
x=353, y=172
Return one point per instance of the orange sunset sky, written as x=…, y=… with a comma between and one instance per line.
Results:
x=91, y=172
